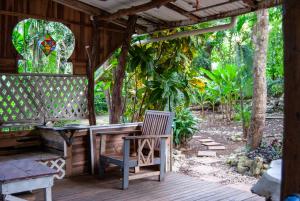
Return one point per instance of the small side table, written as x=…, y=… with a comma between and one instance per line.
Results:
x=25, y=175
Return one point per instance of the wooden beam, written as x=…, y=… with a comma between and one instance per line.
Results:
x=190, y=33
x=106, y=26
x=291, y=138
x=148, y=20
x=87, y=9
x=250, y=3
x=214, y=5
x=80, y=6
x=182, y=11
x=134, y=10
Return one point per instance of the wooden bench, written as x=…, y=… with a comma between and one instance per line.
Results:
x=42, y=147
x=24, y=175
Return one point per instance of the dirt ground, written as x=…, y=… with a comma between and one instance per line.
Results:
x=215, y=168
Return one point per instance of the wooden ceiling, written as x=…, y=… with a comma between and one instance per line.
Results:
x=155, y=15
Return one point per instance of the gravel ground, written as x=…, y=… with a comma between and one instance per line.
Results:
x=215, y=168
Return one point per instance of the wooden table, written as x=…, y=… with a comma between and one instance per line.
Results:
x=25, y=175
x=66, y=132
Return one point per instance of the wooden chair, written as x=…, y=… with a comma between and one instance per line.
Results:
x=151, y=139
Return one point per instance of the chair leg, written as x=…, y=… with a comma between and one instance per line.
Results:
x=162, y=164
x=137, y=169
x=125, y=180
x=102, y=165
x=126, y=152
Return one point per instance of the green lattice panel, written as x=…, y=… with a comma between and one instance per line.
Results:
x=35, y=97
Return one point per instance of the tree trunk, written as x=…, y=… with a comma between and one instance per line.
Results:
x=119, y=73
x=259, y=100
x=105, y=65
x=93, y=62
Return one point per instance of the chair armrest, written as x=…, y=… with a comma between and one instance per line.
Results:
x=145, y=137
x=117, y=132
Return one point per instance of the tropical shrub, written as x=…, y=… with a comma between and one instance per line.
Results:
x=246, y=114
x=185, y=125
x=223, y=86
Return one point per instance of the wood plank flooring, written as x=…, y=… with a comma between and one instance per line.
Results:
x=176, y=187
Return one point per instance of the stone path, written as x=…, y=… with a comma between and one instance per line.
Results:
x=209, y=144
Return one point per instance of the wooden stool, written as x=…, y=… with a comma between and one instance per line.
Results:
x=18, y=176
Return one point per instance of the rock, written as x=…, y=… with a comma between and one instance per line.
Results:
x=185, y=149
x=248, y=163
x=257, y=166
x=242, y=160
x=237, y=137
x=207, y=153
x=216, y=147
x=211, y=143
x=206, y=140
x=242, y=169
x=232, y=161
x=266, y=166
x=176, y=152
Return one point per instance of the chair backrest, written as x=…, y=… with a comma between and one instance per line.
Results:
x=157, y=123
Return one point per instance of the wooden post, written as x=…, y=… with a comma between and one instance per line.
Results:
x=69, y=160
x=119, y=73
x=291, y=142
x=93, y=62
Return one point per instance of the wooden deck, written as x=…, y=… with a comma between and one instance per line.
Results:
x=176, y=187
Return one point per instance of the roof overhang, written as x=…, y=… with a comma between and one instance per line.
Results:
x=156, y=15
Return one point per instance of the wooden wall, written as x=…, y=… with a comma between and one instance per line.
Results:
x=291, y=146
x=13, y=11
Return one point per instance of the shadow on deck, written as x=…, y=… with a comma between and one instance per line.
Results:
x=176, y=187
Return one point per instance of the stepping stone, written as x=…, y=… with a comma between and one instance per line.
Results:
x=216, y=147
x=211, y=143
x=207, y=154
x=206, y=140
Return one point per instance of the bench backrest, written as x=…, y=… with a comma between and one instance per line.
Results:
x=19, y=142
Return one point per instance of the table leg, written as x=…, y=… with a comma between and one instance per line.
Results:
x=48, y=194
x=92, y=154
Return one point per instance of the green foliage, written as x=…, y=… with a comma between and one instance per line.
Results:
x=275, y=54
x=275, y=47
x=27, y=36
x=159, y=75
x=222, y=86
x=100, y=101
x=246, y=113
x=165, y=90
x=275, y=87
x=185, y=125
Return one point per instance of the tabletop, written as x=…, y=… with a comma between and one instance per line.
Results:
x=23, y=169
